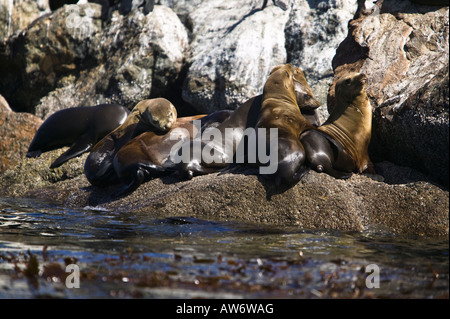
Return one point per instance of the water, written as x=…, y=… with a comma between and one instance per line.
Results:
x=123, y=255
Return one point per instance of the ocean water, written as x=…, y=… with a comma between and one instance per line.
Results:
x=49, y=251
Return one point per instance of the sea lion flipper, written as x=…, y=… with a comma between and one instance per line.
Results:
x=34, y=153
x=83, y=144
x=131, y=187
x=337, y=148
x=301, y=172
x=137, y=174
x=338, y=174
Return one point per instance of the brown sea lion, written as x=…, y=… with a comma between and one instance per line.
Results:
x=306, y=100
x=280, y=111
x=243, y=118
x=149, y=154
x=340, y=146
x=78, y=127
x=148, y=115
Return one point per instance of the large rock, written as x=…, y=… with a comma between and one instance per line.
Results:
x=404, y=203
x=403, y=49
x=87, y=60
x=35, y=173
x=235, y=45
x=313, y=32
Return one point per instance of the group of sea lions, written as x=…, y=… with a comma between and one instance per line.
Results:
x=132, y=147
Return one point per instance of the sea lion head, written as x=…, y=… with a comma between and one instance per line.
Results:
x=305, y=97
x=280, y=83
x=350, y=86
x=159, y=114
x=280, y=108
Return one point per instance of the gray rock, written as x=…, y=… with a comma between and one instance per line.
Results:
x=235, y=45
x=314, y=31
x=233, y=52
x=86, y=61
x=183, y=8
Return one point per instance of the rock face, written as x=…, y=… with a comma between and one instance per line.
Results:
x=403, y=50
x=313, y=32
x=217, y=53
x=16, y=132
x=235, y=45
x=18, y=14
x=82, y=62
x=233, y=51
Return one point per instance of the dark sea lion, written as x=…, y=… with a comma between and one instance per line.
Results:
x=340, y=146
x=243, y=118
x=149, y=154
x=280, y=111
x=148, y=115
x=78, y=127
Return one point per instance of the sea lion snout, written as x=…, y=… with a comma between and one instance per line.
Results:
x=159, y=114
x=303, y=93
x=362, y=78
x=350, y=85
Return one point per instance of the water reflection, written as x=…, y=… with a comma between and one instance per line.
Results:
x=168, y=254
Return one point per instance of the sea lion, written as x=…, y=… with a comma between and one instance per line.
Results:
x=340, y=146
x=77, y=127
x=148, y=115
x=306, y=100
x=243, y=118
x=149, y=154
x=280, y=111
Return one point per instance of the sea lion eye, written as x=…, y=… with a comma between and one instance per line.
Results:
x=348, y=81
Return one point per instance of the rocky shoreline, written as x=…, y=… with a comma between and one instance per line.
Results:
x=185, y=53
x=405, y=202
